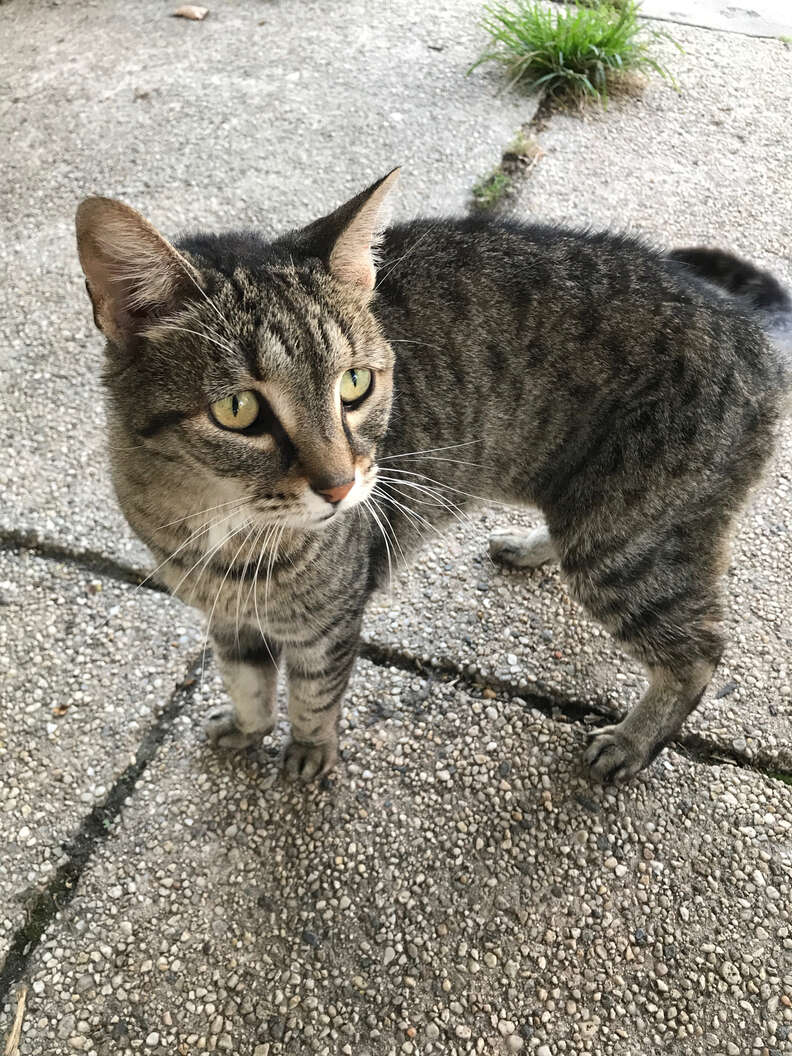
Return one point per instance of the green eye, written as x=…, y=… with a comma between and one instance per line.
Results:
x=354, y=384
x=237, y=411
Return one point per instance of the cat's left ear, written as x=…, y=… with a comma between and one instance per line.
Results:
x=133, y=275
x=346, y=239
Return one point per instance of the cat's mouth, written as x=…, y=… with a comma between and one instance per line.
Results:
x=323, y=512
x=311, y=511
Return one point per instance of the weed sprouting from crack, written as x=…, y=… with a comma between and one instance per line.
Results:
x=519, y=157
x=491, y=189
x=576, y=54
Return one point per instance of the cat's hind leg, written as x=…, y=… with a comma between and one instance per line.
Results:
x=659, y=597
x=522, y=547
x=618, y=752
x=250, y=674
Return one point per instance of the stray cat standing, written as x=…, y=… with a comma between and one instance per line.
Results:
x=286, y=417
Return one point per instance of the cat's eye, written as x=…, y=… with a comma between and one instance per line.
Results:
x=355, y=384
x=237, y=411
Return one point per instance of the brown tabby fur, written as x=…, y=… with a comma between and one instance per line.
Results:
x=610, y=386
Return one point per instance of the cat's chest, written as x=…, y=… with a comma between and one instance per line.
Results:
x=258, y=596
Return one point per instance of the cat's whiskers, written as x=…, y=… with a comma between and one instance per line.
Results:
x=382, y=275
x=196, y=333
x=449, y=487
x=189, y=273
x=407, y=341
x=368, y=504
x=436, y=498
x=206, y=526
x=215, y=333
x=414, y=518
x=429, y=450
x=434, y=458
x=394, y=534
x=270, y=566
x=217, y=597
x=258, y=529
x=205, y=560
x=197, y=513
x=271, y=529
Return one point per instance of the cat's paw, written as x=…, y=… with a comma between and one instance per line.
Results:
x=518, y=548
x=308, y=762
x=223, y=732
x=614, y=757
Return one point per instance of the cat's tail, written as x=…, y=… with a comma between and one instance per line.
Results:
x=757, y=290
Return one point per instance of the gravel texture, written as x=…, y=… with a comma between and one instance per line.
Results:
x=460, y=888
x=73, y=706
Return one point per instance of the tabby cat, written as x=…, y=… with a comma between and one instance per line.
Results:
x=286, y=417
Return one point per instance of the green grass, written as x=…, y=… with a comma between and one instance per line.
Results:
x=490, y=189
x=575, y=52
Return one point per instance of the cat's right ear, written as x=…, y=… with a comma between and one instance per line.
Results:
x=132, y=274
x=346, y=239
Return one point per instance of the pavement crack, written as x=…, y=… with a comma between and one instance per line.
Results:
x=563, y=709
x=92, y=833
x=592, y=714
x=87, y=559
x=711, y=29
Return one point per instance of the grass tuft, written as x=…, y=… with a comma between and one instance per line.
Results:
x=490, y=189
x=576, y=53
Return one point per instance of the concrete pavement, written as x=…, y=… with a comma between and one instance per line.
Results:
x=459, y=887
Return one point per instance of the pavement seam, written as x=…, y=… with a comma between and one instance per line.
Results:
x=592, y=714
x=699, y=25
x=89, y=560
x=94, y=830
x=710, y=29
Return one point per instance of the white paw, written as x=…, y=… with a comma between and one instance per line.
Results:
x=612, y=757
x=307, y=762
x=223, y=732
x=522, y=549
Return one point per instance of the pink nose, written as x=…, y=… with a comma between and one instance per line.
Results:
x=336, y=494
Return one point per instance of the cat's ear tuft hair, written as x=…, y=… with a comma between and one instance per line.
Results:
x=133, y=275
x=347, y=238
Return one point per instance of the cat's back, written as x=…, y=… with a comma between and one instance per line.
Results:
x=560, y=300
x=566, y=270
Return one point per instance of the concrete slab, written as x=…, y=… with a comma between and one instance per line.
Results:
x=462, y=890
x=250, y=117
x=708, y=164
x=73, y=706
x=760, y=18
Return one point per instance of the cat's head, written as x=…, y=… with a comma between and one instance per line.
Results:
x=248, y=372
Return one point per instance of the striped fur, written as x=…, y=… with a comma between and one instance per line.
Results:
x=584, y=374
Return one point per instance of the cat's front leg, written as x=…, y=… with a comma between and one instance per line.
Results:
x=318, y=676
x=248, y=664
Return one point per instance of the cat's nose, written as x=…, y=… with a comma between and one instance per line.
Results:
x=336, y=494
